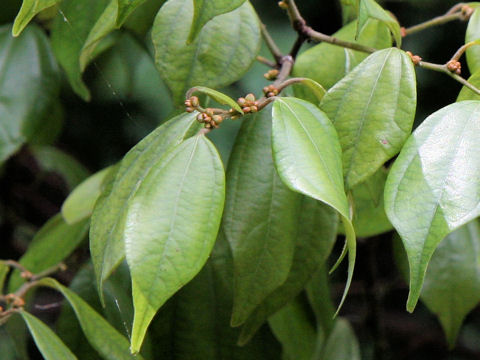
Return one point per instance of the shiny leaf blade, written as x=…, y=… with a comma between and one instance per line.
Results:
x=53, y=243
x=433, y=187
x=217, y=96
x=472, y=34
x=300, y=127
x=29, y=86
x=107, y=341
x=51, y=347
x=349, y=10
x=205, y=10
x=466, y=93
x=337, y=61
x=262, y=237
x=108, y=218
x=223, y=51
x=370, y=9
x=373, y=109
x=171, y=226
x=29, y=9
x=81, y=201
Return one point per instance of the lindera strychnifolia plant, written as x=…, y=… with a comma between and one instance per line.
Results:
x=194, y=258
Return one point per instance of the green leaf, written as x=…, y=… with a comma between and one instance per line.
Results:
x=310, y=90
x=316, y=234
x=342, y=343
x=466, y=93
x=68, y=36
x=29, y=86
x=373, y=109
x=81, y=201
x=51, y=347
x=223, y=51
x=293, y=328
x=369, y=218
x=29, y=9
x=172, y=223
x=299, y=127
x=432, y=188
x=217, y=96
x=452, y=282
x=141, y=19
x=262, y=237
x=369, y=9
x=53, y=243
x=472, y=34
x=108, y=218
x=349, y=10
x=55, y=160
x=4, y=270
x=205, y=10
x=100, y=334
x=337, y=61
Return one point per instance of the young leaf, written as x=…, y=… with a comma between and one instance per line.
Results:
x=342, y=343
x=99, y=333
x=171, y=226
x=108, y=218
x=337, y=61
x=69, y=33
x=349, y=10
x=29, y=9
x=53, y=243
x=299, y=127
x=466, y=93
x=314, y=240
x=223, y=51
x=29, y=86
x=262, y=237
x=432, y=188
x=217, y=96
x=51, y=347
x=205, y=10
x=472, y=34
x=293, y=328
x=81, y=201
x=373, y=109
x=370, y=9
x=310, y=90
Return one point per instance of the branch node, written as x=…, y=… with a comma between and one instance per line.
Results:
x=454, y=66
x=415, y=58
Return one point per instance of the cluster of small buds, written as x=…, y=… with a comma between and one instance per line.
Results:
x=248, y=103
x=270, y=91
x=415, y=58
x=271, y=74
x=209, y=118
x=283, y=5
x=467, y=11
x=454, y=66
x=191, y=104
x=27, y=275
x=15, y=300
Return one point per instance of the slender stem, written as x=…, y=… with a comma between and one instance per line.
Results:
x=318, y=36
x=272, y=46
x=265, y=61
x=444, y=69
x=464, y=48
x=433, y=22
x=47, y=272
x=286, y=67
x=16, y=265
x=455, y=8
x=289, y=82
x=297, y=45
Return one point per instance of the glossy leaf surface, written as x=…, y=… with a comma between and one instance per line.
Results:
x=433, y=187
x=29, y=9
x=29, y=86
x=349, y=10
x=205, y=10
x=51, y=347
x=466, y=93
x=53, y=243
x=222, y=52
x=81, y=201
x=108, y=218
x=316, y=234
x=100, y=334
x=299, y=127
x=262, y=237
x=370, y=9
x=373, y=109
x=171, y=226
x=337, y=61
